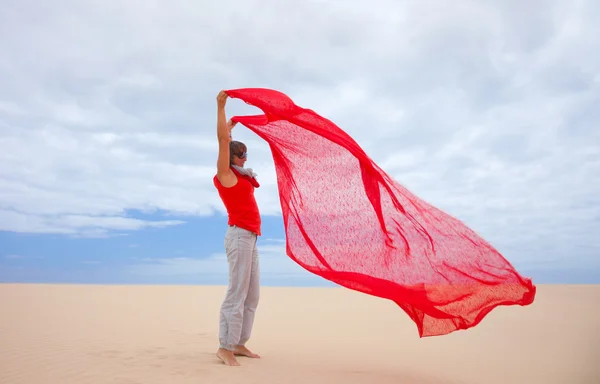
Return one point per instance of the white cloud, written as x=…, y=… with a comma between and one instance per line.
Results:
x=90, y=226
x=275, y=266
x=486, y=109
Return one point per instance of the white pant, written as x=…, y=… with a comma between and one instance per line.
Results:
x=239, y=306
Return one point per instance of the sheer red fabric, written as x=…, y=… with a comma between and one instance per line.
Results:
x=347, y=221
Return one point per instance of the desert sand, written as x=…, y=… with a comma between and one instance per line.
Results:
x=77, y=334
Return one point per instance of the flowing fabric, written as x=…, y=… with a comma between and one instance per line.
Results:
x=347, y=221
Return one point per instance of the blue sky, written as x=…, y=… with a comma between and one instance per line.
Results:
x=488, y=110
x=190, y=253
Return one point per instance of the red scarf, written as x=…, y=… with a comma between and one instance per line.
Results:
x=347, y=221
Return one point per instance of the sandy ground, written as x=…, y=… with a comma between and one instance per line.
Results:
x=75, y=334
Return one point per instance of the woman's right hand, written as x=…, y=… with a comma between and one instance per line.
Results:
x=222, y=99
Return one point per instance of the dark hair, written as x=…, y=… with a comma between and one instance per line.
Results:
x=236, y=148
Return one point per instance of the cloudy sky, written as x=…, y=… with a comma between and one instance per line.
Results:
x=107, y=126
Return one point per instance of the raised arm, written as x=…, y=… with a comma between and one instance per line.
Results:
x=224, y=173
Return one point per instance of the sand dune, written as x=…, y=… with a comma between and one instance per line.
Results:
x=77, y=334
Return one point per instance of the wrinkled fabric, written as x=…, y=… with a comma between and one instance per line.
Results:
x=349, y=222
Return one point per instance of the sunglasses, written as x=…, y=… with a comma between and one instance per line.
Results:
x=243, y=155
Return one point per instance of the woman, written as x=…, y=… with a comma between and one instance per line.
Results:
x=235, y=185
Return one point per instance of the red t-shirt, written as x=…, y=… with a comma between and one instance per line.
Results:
x=240, y=203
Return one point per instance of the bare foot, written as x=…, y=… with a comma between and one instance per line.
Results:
x=227, y=357
x=241, y=350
